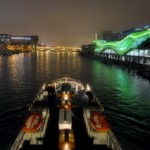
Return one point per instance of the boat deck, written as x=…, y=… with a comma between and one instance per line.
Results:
x=51, y=139
x=68, y=127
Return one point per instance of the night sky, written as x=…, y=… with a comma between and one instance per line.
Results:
x=71, y=22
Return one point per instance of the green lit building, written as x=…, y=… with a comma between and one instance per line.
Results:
x=129, y=46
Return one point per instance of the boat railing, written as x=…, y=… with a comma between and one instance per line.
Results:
x=99, y=108
x=38, y=109
x=94, y=99
x=112, y=141
x=40, y=94
x=75, y=83
x=18, y=142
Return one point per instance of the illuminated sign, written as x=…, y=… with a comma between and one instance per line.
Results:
x=25, y=38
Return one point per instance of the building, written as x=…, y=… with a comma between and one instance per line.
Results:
x=107, y=35
x=11, y=42
x=4, y=40
x=88, y=48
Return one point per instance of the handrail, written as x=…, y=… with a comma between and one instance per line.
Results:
x=18, y=141
x=115, y=143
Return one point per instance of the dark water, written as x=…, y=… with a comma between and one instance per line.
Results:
x=125, y=96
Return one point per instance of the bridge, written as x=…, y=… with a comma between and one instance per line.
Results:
x=58, y=48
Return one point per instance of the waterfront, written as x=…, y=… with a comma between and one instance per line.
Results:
x=124, y=95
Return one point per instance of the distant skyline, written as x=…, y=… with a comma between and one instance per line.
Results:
x=71, y=22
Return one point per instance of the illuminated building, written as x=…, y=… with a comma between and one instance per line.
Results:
x=11, y=42
x=127, y=47
x=130, y=42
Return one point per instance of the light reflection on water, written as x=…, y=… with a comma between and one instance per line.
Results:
x=126, y=100
x=124, y=95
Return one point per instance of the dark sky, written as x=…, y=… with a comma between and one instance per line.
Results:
x=71, y=22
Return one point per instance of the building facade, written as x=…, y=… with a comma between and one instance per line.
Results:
x=10, y=42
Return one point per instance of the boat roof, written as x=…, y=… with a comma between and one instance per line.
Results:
x=66, y=80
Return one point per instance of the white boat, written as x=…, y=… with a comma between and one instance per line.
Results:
x=64, y=97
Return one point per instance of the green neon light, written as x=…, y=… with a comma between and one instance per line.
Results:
x=130, y=42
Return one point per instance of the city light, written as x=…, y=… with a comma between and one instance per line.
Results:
x=132, y=41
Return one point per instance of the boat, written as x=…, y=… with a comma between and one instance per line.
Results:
x=63, y=108
x=34, y=128
x=99, y=122
x=96, y=123
x=33, y=123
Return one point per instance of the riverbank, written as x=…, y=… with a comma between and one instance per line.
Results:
x=11, y=52
x=140, y=69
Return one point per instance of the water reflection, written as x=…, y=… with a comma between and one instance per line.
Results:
x=124, y=96
x=126, y=101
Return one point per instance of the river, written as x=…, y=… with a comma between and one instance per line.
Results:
x=124, y=95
